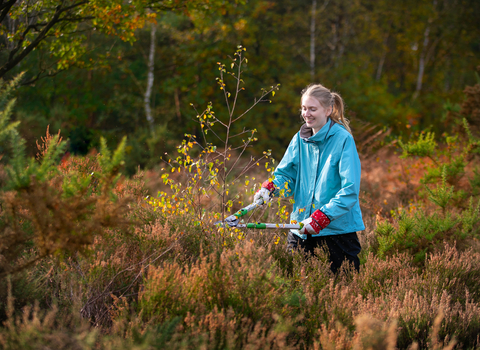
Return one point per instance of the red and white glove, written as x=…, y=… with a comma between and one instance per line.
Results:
x=315, y=223
x=265, y=192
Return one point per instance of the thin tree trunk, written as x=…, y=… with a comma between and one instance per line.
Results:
x=335, y=42
x=343, y=38
x=424, y=54
x=421, y=64
x=382, y=59
x=312, y=41
x=177, y=104
x=312, y=35
x=151, y=76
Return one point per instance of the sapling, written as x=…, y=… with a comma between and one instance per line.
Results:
x=216, y=168
x=442, y=194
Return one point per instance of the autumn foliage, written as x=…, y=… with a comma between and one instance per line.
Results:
x=90, y=259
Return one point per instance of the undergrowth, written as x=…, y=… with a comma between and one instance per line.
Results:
x=92, y=260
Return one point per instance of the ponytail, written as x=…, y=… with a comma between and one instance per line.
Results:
x=338, y=112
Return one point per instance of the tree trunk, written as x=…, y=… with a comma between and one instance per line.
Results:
x=312, y=41
x=151, y=76
x=421, y=63
x=177, y=104
x=382, y=59
x=424, y=53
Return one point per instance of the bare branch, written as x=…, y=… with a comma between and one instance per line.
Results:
x=237, y=90
x=240, y=134
x=213, y=132
x=39, y=76
x=254, y=104
x=238, y=159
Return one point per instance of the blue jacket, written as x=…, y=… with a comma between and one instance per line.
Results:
x=322, y=172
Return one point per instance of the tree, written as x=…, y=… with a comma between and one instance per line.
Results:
x=368, y=51
x=62, y=28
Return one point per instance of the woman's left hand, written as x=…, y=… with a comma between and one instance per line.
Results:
x=315, y=223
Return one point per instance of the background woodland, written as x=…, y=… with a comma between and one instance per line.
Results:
x=128, y=129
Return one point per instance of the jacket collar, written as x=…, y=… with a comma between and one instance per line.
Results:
x=306, y=133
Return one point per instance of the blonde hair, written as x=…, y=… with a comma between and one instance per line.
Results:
x=327, y=99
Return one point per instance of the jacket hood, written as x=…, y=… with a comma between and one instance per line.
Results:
x=327, y=130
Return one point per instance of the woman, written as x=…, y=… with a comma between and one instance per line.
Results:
x=321, y=169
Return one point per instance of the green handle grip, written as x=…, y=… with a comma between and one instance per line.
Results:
x=257, y=225
x=241, y=213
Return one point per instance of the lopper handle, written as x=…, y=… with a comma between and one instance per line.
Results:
x=262, y=225
x=248, y=208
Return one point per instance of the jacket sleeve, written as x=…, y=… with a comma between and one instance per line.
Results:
x=286, y=171
x=350, y=173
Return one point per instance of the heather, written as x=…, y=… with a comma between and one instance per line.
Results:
x=91, y=259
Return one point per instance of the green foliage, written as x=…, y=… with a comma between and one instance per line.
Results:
x=442, y=194
x=448, y=212
x=470, y=218
x=420, y=232
x=425, y=146
x=449, y=161
x=61, y=29
x=7, y=128
x=106, y=97
x=107, y=161
x=23, y=171
x=51, y=211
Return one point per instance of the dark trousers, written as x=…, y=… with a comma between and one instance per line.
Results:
x=340, y=247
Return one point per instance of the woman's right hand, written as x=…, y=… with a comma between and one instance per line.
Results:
x=265, y=192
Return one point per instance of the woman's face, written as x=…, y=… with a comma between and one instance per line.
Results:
x=314, y=114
